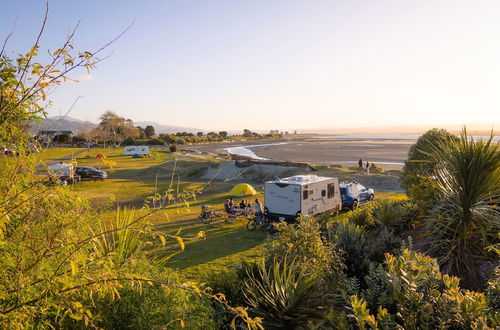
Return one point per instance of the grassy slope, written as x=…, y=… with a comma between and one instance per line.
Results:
x=131, y=181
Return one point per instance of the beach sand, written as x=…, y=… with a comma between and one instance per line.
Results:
x=385, y=152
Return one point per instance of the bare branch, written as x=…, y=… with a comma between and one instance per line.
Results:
x=8, y=36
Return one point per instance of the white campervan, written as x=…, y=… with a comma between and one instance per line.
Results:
x=136, y=150
x=287, y=198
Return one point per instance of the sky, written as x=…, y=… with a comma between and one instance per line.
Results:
x=280, y=64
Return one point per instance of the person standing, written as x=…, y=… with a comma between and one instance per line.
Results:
x=360, y=163
x=257, y=208
x=367, y=168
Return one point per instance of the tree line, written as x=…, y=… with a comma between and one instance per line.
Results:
x=114, y=130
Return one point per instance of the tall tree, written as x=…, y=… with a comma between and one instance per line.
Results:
x=149, y=130
x=417, y=178
x=116, y=128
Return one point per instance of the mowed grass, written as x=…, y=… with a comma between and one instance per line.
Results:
x=223, y=245
x=51, y=154
x=132, y=180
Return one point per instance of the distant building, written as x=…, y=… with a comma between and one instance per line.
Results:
x=51, y=134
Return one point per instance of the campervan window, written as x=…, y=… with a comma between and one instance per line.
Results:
x=323, y=193
x=331, y=190
x=305, y=194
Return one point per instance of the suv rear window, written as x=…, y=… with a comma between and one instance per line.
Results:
x=343, y=191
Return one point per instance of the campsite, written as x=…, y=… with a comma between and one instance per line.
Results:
x=132, y=180
x=230, y=165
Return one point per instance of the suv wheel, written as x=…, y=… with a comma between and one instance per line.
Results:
x=354, y=205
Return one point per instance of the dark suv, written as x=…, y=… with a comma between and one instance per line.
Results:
x=87, y=172
x=354, y=194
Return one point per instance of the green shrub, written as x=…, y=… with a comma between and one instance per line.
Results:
x=388, y=212
x=350, y=239
x=380, y=242
x=376, y=169
x=280, y=291
x=363, y=216
x=423, y=298
x=417, y=177
x=155, y=142
x=305, y=244
x=153, y=307
x=378, y=289
x=427, y=299
x=466, y=219
x=172, y=148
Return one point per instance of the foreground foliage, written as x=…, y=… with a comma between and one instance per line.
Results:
x=425, y=299
x=466, y=219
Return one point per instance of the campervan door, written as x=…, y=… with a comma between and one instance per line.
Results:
x=282, y=198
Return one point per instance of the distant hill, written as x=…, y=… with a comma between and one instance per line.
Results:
x=66, y=123
x=169, y=129
x=63, y=123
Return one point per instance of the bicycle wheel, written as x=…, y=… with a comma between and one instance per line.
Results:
x=205, y=218
x=252, y=225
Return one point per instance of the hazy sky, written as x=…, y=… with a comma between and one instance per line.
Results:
x=263, y=64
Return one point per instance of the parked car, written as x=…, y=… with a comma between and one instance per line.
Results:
x=354, y=194
x=87, y=172
x=85, y=144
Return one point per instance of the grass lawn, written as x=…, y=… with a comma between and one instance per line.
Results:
x=56, y=153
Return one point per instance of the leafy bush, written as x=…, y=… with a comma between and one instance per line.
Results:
x=380, y=242
x=418, y=170
x=280, y=292
x=388, y=212
x=363, y=216
x=465, y=221
x=172, y=148
x=350, y=239
x=151, y=306
x=376, y=169
x=424, y=299
x=130, y=141
x=304, y=243
x=378, y=289
x=155, y=142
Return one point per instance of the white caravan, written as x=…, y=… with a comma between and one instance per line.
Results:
x=287, y=198
x=63, y=172
x=136, y=150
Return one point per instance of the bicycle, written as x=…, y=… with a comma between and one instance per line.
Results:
x=207, y=215
x=260, y=222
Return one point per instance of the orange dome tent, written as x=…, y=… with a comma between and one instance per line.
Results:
x=100, y=156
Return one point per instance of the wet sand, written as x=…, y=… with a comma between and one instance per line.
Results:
x=385, y=152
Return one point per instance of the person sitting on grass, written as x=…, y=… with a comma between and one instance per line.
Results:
x=243, y=204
